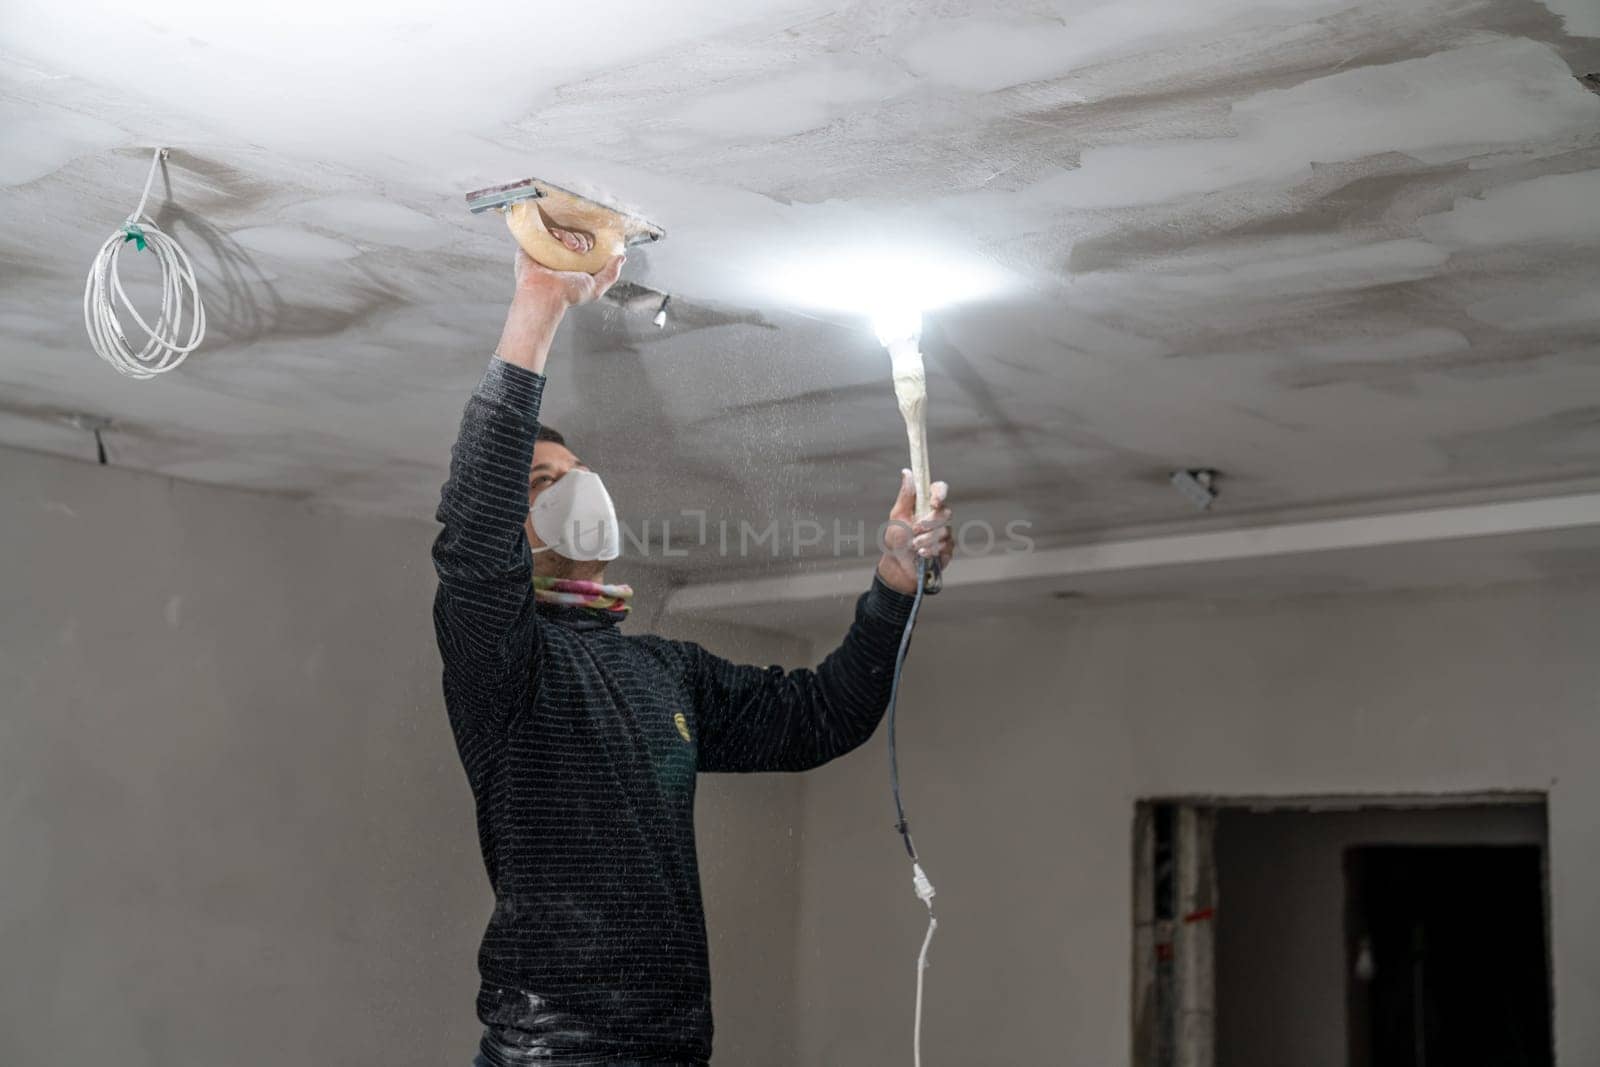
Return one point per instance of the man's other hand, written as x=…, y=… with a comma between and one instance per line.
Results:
x=910, y=536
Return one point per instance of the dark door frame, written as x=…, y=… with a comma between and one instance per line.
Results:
x=1175, y=899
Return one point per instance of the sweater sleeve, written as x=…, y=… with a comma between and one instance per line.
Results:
x=754, y=719
x=483, y=612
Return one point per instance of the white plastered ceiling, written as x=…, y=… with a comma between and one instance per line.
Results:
x=1347, y=253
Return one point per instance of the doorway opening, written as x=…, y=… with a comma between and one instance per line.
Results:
x=1342, y=932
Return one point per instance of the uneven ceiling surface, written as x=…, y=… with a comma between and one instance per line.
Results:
x=1347, y=253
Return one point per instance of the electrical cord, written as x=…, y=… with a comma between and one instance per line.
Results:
x=167, y=343
x=926, y=568
x=922, y=969
x=900, y=825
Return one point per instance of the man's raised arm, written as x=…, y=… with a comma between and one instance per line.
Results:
x=483, y=612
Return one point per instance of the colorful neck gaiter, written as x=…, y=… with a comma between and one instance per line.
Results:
x=580, y=594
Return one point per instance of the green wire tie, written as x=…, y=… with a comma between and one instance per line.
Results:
x=133, y=233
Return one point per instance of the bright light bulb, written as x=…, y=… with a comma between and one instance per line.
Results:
x=864, y=277
x=895, y=325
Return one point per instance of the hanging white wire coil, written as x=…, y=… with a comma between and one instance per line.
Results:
x=169, y=341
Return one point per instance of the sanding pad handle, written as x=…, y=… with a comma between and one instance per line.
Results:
x=532, y=206
x=530, y=225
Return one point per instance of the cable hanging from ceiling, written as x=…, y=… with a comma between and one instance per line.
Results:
x=182, y=324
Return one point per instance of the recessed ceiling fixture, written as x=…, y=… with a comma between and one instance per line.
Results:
x=1198, y=486
x=640, y=299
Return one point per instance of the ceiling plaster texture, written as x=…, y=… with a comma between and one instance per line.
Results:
x=1347, y=253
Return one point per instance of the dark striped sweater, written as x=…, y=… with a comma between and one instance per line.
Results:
x=582, y=744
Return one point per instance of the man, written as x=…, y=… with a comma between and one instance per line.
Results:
x=582, y=745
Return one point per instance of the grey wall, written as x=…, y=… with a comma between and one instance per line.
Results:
x=232, y=824
x=232, y=827
x=1280, y=929
x=1024, y=747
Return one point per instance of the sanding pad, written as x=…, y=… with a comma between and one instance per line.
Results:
x=532, y=206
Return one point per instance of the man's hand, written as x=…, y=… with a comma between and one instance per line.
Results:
x=568, y=287
x=542, y=298
x=910, y=536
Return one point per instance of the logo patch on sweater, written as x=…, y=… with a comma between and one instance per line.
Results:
x=683, y=726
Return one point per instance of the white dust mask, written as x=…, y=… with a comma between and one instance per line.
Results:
x=575, y=518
